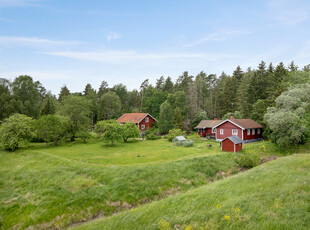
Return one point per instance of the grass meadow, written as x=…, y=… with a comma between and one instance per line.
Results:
x=59, y=187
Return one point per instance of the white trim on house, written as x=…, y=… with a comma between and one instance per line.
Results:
x=221, y=131
x=146, y=116
x=234, y=147
x=147, y=119
x=258, y=131
x=143, y=127
x=248, y=132
x=230, y=122
x=213, y=130
x=234, y=132
x=253, y=131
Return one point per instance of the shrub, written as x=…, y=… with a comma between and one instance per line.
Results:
x=247, y=159
x=174, y=133
x=188, y=143
x=151, y=134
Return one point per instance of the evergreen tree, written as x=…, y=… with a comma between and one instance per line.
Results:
x=64, y=92
x=165, y=121
x=160, y=83
x=104, y=88
x=48, y=106
x=168, y=85
x=178, y=118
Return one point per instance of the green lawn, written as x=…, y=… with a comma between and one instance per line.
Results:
x=57, y=186
x=275, y=195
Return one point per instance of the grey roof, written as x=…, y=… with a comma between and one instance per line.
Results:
x=234, y=139
x=180, y=138
x=208, y=124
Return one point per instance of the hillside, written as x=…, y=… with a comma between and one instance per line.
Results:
x=275, y=195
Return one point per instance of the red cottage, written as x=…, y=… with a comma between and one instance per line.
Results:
x=231, y=144
x=246, y=129
x=206, y=127
x=144, y=120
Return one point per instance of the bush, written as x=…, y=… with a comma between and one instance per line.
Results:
x=188, y=143
x=174, y=133
x=151, y=134
x=247, y=159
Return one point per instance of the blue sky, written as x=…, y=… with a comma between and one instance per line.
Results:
x=76, y=42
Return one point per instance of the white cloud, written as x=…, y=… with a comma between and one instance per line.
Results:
x=114, y=55
x=289, y=12
x=219, y=36
x=113, y=36
x=33, y=41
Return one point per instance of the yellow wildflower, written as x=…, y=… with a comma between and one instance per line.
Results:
x=227, y=218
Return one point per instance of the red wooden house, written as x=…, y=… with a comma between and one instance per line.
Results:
x=144, y=120
x=246, y=129
x=205, y=127
x=231, y=144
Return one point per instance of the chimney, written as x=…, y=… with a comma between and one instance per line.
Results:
x=232, y=116
x=215, y=118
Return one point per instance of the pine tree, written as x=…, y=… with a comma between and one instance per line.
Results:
x=64, y=92
x=178, y=118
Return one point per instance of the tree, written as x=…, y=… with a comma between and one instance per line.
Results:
x=28, y=96
x=168, y=85
x=52, y=128
x=15, y=132
x=178, y=118
x=6, y=97
x=49, y=106
x=64, y=92
x=237, y=115
x=109, y=106
x=129, y=130
x=289, y=120
x=88, y=89
x=165, y=122
x=143, y=86
x=77, y=109
x=110, y=130
x=104, y=88
x=121, y=91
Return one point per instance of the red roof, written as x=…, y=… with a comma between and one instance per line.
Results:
x=243, y=123
x=132, y=117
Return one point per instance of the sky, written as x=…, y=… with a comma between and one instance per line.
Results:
x=75, y=42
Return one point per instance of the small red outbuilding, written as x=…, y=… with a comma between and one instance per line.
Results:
x=232, y=144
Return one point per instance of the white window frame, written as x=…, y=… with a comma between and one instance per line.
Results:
x=221, y=131
x=146, y=119
x=248, y=132
x=142, y=127
x=253, y=131
x=258, y=131
x=235, y=132
x=214, y=130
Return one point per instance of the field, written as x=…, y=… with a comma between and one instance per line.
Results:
x=58, y=187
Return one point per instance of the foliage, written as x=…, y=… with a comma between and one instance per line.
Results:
x=15, y=132
x=288, y=120
x=129, y=130
x=165, y=121
x=237, y=115
x=178, y=118
x=52, y=128
x=110, y=129
x=247, y=159
x=77, y=109
x=48, y=106
x=151, y=134
x=109, y=106
x=174, y=133
x=188, y=143
x=84, y=135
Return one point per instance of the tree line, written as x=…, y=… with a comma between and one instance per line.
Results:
x=180, y=104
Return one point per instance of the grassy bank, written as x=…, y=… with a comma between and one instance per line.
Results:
x=275, y=195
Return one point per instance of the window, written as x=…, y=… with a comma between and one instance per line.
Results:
x=235, y=132
x=258, y=131
x=221, y=131
x=214, y=130
x=146, y=119
x=249, y=132
x=253, y=131
x=142, y=127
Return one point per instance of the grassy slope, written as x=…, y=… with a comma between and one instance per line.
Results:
x=54, y=187
x=275, y=195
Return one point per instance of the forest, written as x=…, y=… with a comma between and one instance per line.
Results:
x=275, y=96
